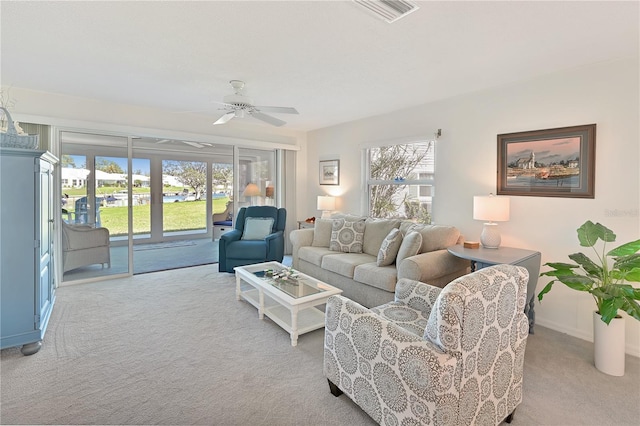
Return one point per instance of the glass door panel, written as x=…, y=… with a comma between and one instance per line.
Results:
x=142, y=197
x=184, y=206
x=222, y=191
x=112, y=195
x=257, y=177
x=74, y=188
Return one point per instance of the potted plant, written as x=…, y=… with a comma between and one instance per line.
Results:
x=605, y=278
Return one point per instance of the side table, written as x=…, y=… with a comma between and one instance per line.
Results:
x=303, y=224
x=484, y=257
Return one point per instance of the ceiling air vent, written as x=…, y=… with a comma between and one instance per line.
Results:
x=389, y=10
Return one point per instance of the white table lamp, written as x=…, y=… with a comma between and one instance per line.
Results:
x=492, y=209
x=327, y=204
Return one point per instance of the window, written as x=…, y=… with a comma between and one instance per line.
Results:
x=400, y=180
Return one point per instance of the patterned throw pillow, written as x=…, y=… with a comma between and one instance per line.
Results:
x=347, y=236
x=389, y=248
x=410, y=246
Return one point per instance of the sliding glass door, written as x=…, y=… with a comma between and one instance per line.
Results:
x=163, y=202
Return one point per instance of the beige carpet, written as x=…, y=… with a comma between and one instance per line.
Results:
x=176, y=347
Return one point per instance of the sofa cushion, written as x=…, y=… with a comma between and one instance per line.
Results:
x=389, y=248
x=313, y=255
x=382, y=277
x=345, y=263
x=322, y=233
x=434, y=237
x=375, y=232
x=438, y=237
x=405, y=225
x=410, y=246
x=347, y=217
x=347, y=236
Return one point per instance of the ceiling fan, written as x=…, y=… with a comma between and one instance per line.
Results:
x=237, y=105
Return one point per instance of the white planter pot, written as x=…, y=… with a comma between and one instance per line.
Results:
x=609, y=342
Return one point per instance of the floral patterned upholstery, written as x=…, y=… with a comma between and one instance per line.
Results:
x=451, y=356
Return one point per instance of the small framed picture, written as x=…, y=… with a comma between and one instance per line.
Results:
x=330, y=172
x=548, y=163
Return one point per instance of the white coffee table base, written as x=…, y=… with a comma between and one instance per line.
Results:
x=295, y=318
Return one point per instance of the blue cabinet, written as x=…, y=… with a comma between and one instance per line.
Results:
x=27, y=290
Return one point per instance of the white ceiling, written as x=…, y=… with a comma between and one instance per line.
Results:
x=331, y=60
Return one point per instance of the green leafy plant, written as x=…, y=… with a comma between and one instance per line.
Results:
x=604, y=278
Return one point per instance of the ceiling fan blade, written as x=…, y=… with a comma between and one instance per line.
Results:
x=228, y=116
x=189, y=111
x=223, y=103
x=267, y=118
x=194, y=144
x=164, y=141
x=281, y=110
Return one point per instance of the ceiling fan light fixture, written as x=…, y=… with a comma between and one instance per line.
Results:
x=238, y=100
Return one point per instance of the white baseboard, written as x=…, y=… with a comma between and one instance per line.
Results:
x=630, y=350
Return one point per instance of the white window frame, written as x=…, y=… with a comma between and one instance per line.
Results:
x=368, y=181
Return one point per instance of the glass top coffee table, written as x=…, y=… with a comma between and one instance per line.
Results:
x=291, y=302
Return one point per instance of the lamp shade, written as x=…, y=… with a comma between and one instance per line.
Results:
x=326, y=202
x=251, y=190
x=491, y=208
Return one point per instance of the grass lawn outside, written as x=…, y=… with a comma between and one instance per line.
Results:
x=180, y=216
x=108, y=190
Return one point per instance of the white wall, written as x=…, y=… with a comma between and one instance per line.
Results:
x=604, y=93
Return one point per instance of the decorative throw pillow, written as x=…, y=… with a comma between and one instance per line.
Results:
x=410, y=246
x=257, y=228
x=347, y=236
x=322, y=233
x=407, y=227
x=376, y=231
x=389, y=248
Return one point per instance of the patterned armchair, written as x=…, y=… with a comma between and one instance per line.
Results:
x=451, y=356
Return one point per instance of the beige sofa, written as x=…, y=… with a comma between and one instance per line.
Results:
x=358, y=274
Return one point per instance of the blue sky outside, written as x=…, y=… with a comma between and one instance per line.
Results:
x=138, y=164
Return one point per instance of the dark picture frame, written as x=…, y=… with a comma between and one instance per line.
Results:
x=557, y=162
x=330, y=172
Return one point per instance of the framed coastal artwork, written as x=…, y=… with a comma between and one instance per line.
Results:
x=330, y=172
x=548, y=163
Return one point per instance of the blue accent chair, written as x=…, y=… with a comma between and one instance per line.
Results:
x=234, y=251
